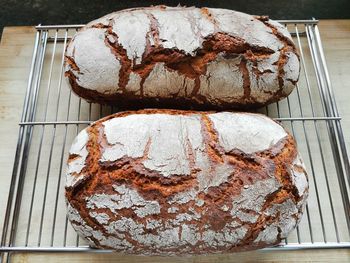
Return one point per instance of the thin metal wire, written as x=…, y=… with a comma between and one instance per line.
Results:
x=40, y=144
x=66, y=218
x=19, y=143
x=77, y=26
x=294, y=135
x=63, y=145
x=27, y=144
x=326, y=96
x=333, y=106
x=329, y=116
x=20, y=151
x=32, y=116
x=318, y=140
x=51, y=148
x=306, y=22
x=291, y=246
x=89, y=122
x=312, y=168
x=318, y=80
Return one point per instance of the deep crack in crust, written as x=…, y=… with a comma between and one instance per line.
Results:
x=248, y=170
x=157, y=58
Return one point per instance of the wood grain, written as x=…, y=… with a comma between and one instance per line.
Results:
x=338, y=255
x=15, y=56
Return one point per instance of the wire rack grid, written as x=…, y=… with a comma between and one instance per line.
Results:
x=35, y=218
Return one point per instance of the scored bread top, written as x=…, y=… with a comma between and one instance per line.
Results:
x=181, y=182
x=206, y=56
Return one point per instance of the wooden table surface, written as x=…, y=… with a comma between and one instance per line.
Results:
x=15, y=57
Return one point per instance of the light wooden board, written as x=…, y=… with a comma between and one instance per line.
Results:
x=15, y=57
x=256, y=256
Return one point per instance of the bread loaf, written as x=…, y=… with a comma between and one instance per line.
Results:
x=163, y=182
x=180, y=57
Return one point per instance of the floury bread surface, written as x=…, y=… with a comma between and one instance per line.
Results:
x=163, y=182
x=181, y=57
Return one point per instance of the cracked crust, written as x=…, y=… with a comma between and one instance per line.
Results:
x=164, y=182
x=200, y=58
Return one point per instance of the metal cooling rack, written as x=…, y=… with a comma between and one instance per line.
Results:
x=35, y=219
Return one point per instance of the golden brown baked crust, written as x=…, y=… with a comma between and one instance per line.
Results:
x=248, y=197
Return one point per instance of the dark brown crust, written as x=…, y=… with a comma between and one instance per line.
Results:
x=190, y=66
x=152, y=186
x=130, y=102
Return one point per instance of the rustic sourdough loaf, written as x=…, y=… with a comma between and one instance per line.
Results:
x=180, y=182
x=180, y=57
